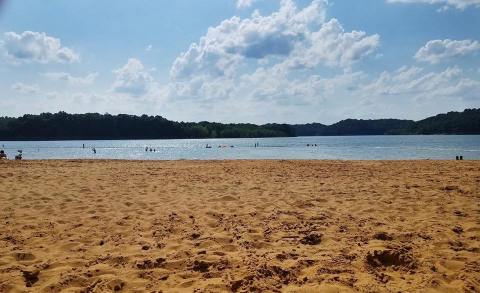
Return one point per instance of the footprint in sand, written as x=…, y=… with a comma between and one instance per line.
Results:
x=30, y=277
x=23, y=256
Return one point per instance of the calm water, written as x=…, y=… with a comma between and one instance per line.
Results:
x=344, y=147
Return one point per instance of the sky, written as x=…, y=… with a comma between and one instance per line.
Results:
x=257, y=61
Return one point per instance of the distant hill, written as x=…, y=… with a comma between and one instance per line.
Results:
x=64, y=126
x=466, y=122
x=312, y=129
x=354, y=127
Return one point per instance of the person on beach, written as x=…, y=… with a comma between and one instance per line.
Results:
x=3, y=155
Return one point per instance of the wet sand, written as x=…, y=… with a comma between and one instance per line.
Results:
x=262, y=226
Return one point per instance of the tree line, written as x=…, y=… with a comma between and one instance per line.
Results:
x=92, y=126
x=466, y=122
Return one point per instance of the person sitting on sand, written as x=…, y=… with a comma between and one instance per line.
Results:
x=3, y=155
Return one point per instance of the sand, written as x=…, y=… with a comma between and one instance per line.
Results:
x=262, y=226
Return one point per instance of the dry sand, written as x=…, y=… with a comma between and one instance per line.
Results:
x=292, y=226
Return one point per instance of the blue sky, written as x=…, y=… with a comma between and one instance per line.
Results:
x=241, y=60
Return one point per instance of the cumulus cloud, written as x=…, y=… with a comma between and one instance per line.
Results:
x=273, y=95
x=72, y=80
x=264, y=62
x=297, y=64
x=36, y=47
x=293, y=65
x=25, y=88
x=415, y=82
x=244, y=3
x=458, y=4
x=332, y=46
x=296, y=37
x=133, y=79
x=438, y=50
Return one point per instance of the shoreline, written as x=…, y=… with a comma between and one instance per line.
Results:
x=253, y=138
x=239, y=225
x=241, y=160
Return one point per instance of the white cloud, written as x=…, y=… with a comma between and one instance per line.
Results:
x=274, y=95
x=414, y=82
x=332, y=46
x=266, y=66
x=244, y=3
x=41, y=99
x=458, y=4
x=133, y=79
x=293, y=65
x=295, y=37
x=25, y=88
x=410, y=92
x=133, y=91
x=72, y=80
x=36, y=47
x=149, y=48
x=438, y=50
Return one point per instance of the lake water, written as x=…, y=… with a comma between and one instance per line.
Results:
x=335, y=147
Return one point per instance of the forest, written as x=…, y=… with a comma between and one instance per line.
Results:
x=91, y=126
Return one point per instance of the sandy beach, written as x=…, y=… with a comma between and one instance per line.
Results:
x=222, y=226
